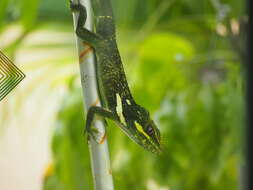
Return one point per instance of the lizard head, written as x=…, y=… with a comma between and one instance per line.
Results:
x=136, y=122
x=147, y=133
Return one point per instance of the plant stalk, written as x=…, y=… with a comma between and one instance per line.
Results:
x=99, y=154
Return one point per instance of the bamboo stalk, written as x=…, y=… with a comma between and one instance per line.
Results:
x=99, y=154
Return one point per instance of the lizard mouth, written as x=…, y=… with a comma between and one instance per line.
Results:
x=137, y=138
x=152, y=147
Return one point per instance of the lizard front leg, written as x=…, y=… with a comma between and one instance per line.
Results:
x=87, y=36
x=102, y=112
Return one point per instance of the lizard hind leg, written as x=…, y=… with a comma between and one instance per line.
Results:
x=87, y=36
x=82, y=13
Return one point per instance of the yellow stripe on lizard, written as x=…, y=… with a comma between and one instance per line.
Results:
x=140, y=129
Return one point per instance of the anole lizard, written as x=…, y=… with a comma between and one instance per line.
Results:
x=117, y=101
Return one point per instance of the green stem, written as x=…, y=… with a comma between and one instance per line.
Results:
x=99, y=153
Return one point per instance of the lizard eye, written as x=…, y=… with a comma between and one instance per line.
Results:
x=150, y=130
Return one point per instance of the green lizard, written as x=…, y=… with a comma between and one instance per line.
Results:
x=117, y=101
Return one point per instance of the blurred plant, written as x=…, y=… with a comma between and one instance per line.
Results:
x=191, y=80
x=70, y=166
x=22, y=12
x=202, y=136
x=17, y=20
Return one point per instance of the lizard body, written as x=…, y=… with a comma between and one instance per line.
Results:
x=117, y=101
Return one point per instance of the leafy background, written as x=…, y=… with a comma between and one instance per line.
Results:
x=184, y=62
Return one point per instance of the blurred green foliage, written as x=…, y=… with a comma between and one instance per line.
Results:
x=183, y=64
x=198, y=109
x=71, y=158
x=23, y=11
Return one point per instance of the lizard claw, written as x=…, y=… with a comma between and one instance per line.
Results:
x=90, y=133
x=74, y=7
